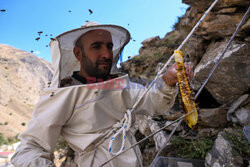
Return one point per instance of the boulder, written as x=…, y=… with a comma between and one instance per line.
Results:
x=219, y=25
x=234, y=106
x=239, y=111
x=160, y=138
x=222, y=154
x=213, y=118
x=243, y=116
x=231, y=78
x=195, y=48
x=150, y=40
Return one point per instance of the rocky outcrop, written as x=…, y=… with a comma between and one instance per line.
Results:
x=23, y=76
x=220, y=103
x=232, y=74
x=213, y=118
x=239, y=111
x=222, y=153
x=203, y=49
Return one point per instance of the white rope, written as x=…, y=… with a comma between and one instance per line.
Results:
x=209, y=75
x=172, y=57
x=124, y=127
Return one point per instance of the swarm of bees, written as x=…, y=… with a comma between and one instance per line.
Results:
x=46, y=35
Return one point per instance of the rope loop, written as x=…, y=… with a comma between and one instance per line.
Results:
x=121, y=127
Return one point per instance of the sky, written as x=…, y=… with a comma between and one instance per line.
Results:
x=23, y=19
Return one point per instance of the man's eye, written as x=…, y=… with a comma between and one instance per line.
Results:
x=97, y=46
x=110, y=46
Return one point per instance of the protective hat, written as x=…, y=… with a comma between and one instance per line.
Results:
x=63, y=59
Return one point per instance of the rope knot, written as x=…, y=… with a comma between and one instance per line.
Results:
x=121, y=127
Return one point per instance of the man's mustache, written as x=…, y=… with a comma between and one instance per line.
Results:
x=109, y=61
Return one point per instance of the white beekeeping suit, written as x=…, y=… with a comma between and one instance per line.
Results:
x=85, y=114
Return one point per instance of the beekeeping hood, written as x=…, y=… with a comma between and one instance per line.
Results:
x=63, y=59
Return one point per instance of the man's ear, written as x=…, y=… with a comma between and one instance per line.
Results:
x=78, y=53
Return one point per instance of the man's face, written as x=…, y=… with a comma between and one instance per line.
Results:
x=96, y=52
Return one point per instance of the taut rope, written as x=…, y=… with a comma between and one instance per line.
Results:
x=209, y=75
x=121, y=130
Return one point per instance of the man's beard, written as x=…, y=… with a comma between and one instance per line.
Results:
x=92, y=68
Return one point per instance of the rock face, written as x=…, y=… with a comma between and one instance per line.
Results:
x=239, y=111
x=23, y=76
x=231, y=78
x=222, y=153
x=204, y=48
x=213, y=118
x=218, y=103
x=232, y=74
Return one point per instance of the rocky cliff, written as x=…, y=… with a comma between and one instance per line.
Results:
x=23, y=75
x=224, y=102
x=203, y=48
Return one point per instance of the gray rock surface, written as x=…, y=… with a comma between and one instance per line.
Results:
x=161, y=137
x=221, y=154
x=243, y=114
x=213, y=118
x=232, y=75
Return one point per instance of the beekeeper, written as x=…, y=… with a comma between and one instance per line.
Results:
x=87, y=101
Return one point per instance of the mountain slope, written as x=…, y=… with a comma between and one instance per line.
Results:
x=22, y=77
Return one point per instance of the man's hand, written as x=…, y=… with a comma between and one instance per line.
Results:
x=170, y=76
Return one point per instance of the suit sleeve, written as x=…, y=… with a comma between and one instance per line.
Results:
x=39, y=140
x=158, y=100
